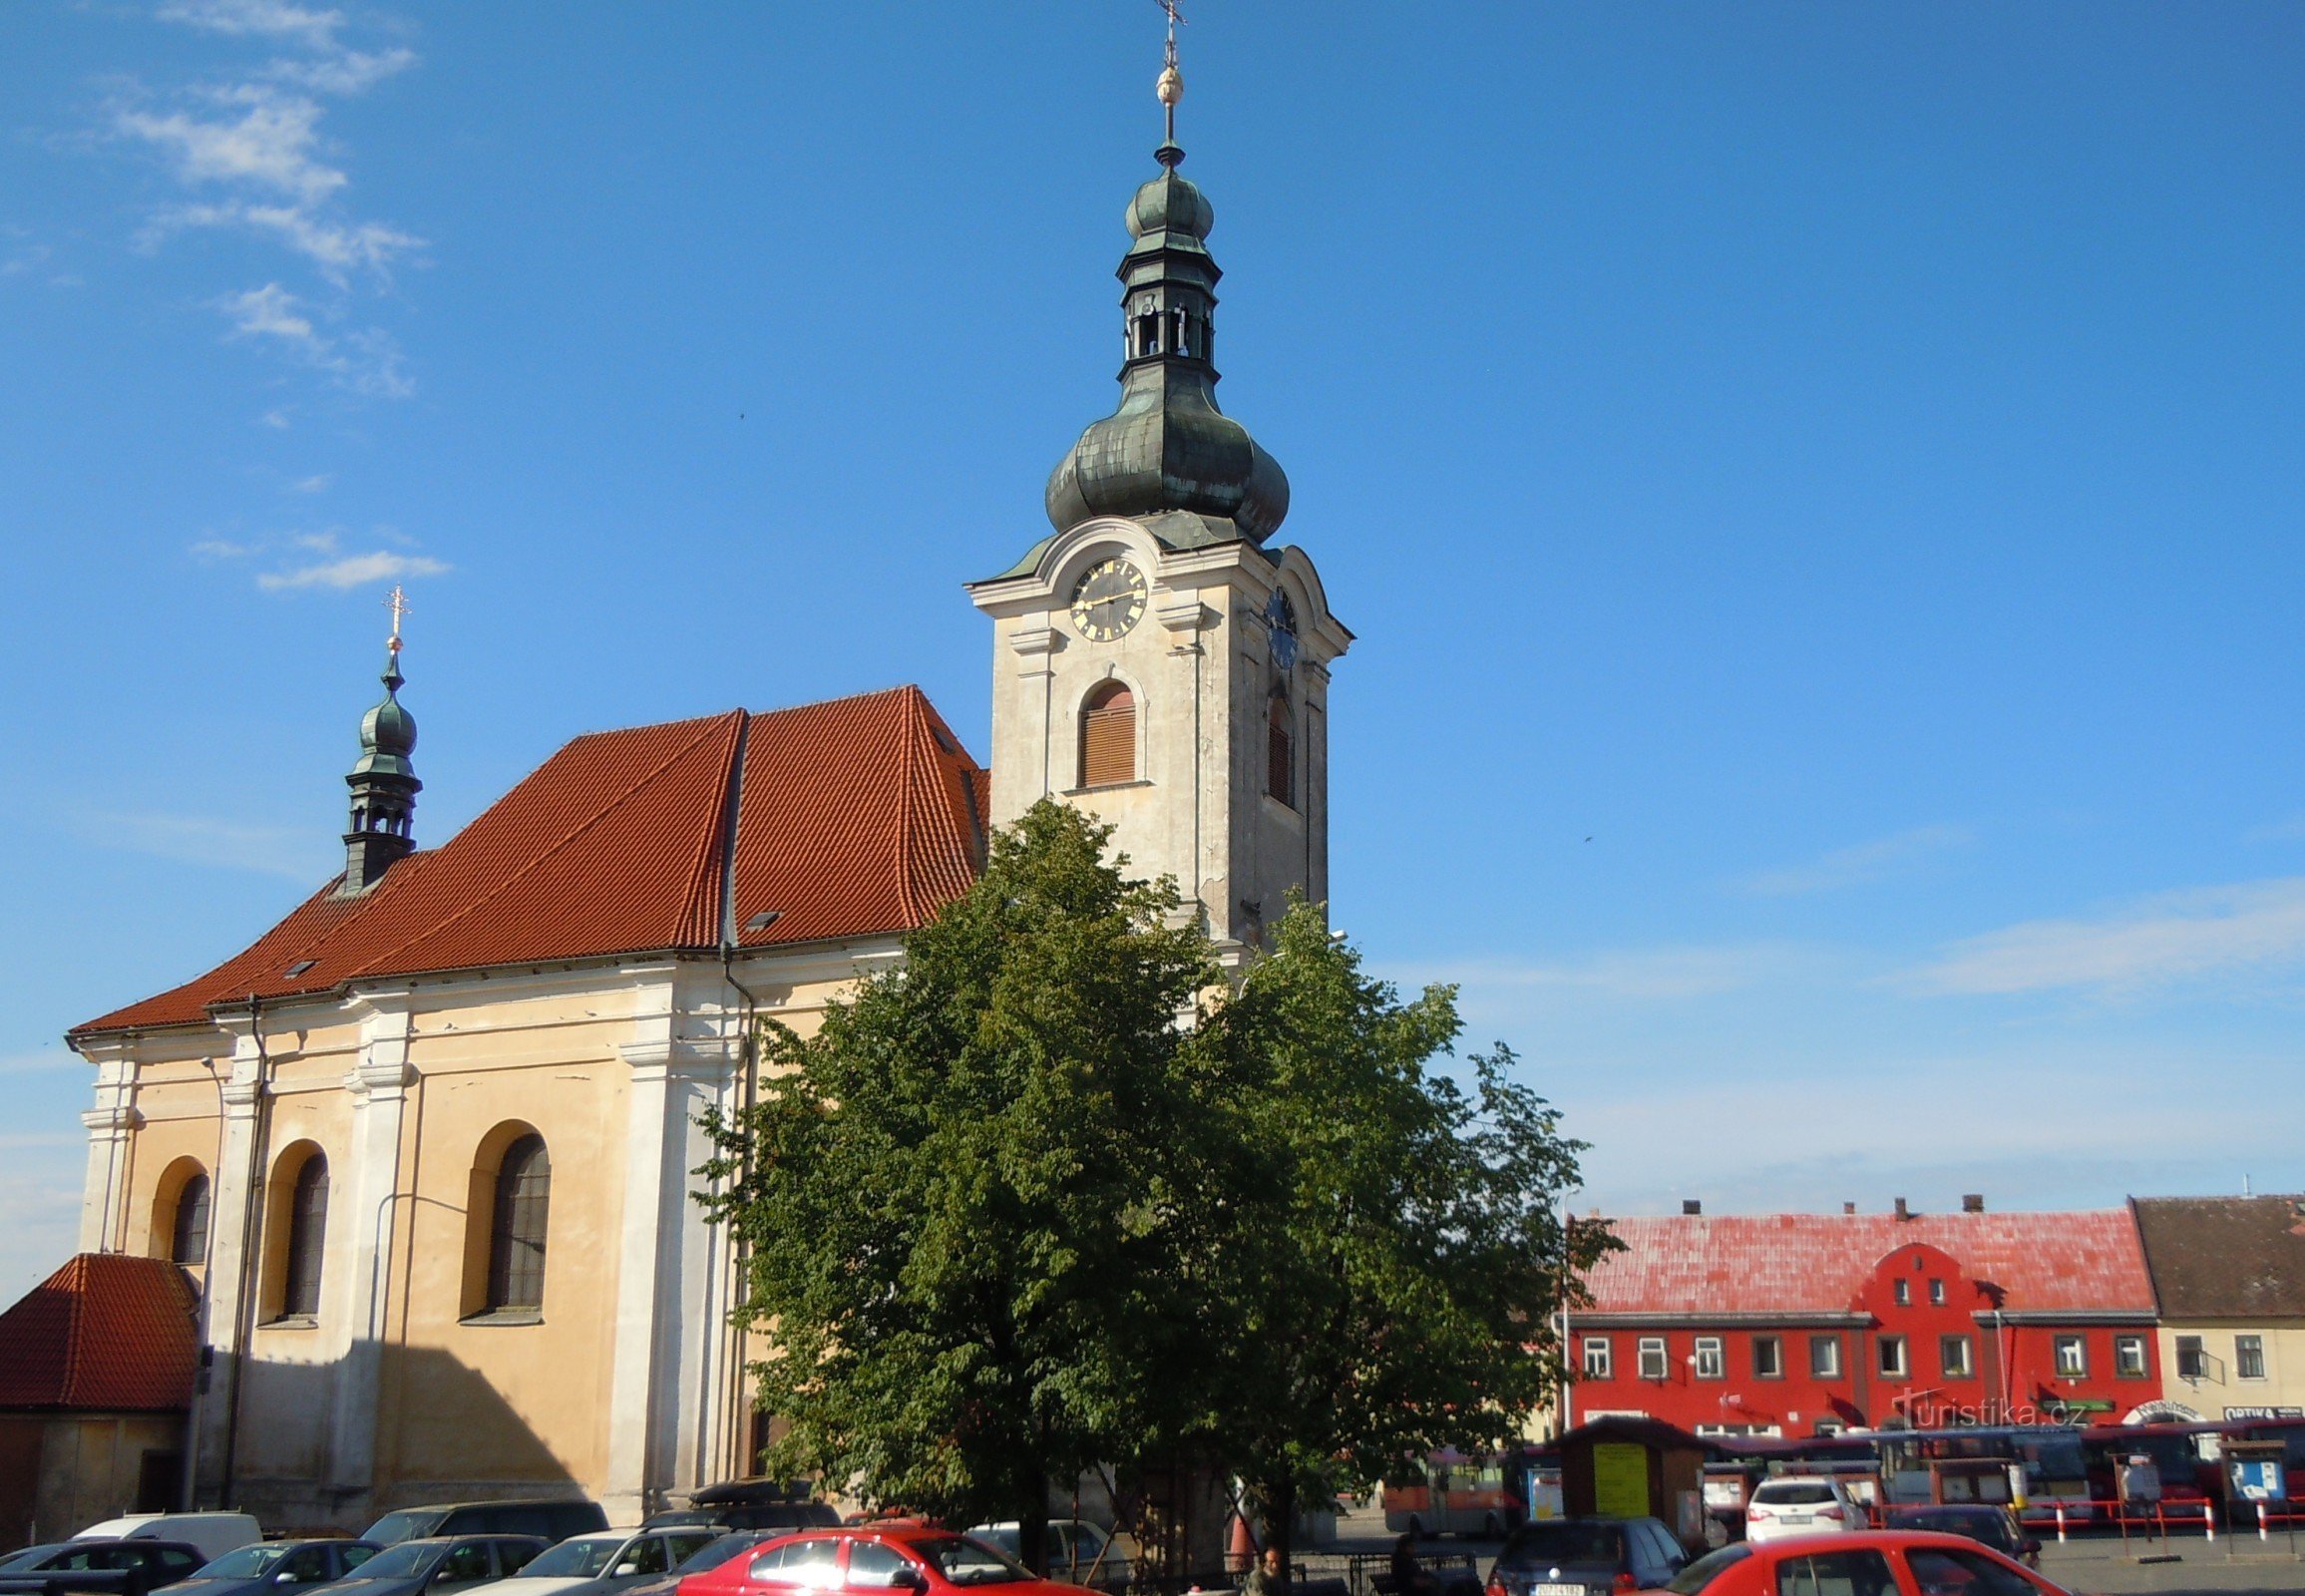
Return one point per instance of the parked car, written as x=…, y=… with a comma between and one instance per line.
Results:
x=750, y=1504
x=440, y=1565
x=604, y=1566
x=214, y=1533
x=1079, y=1552
x=1800, y=1504
x=1866, y=1562
x=908, y=1558
x=114, y=1567
x=1988, y=1525
x=1579, y=1556
x=549, y=1521
x=275, y=1565
x=713, y=1553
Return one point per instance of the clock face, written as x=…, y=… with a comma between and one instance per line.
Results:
x=1108, y=601
x=1280, y=629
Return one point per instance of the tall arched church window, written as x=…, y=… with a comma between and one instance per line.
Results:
x=1108, y=736
x=307, y=1237
x=188, y=1235
x=516, y=1254
x=1279, y=752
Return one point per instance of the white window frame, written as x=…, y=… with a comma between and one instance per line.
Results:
x=1936, y=1294
x=1832, y=1369
x=1968, y=1364
x=2246, y=1348
x=1902, y=1289
x=1651, y=1352
x=1903, y=1367
x=1600, y=1359
x=1709, y=1361
x=2192, y=1358
x=2075, y=1367
x=1776, y=1344
x=2128, y=1358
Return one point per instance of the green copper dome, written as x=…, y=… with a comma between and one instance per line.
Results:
x=1167, y=446
x=387, y=732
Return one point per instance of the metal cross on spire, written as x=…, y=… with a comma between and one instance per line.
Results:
x=1171, y=86
x=397, y=602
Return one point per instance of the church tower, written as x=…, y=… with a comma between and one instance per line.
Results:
x=383, y=782
x=1154, y=661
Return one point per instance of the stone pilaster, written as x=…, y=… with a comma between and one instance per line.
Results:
x=379, y=1083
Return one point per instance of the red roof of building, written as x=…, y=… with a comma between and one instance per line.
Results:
x=853, y=818
x=107, y=1332
x=1818, y=1262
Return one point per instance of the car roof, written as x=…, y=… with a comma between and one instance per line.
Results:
x=1873, y=1537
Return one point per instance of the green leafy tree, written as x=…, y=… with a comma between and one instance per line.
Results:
x=967, y=1197
x=1401, y=1255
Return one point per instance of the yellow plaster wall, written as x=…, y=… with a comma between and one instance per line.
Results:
x=2222, y=1387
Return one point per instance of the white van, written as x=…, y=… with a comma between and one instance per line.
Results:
x=214, y=1533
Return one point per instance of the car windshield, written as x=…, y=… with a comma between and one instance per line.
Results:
x=30, y=1555
x=1701, y=1573
x=585, y=1557
x=1564, y=1542
x=406, y=1525
x=246, y=1563
x=715, y=1553
x=965, y=1560
x=405, y=1561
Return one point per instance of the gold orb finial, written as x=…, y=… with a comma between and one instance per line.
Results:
x=1170, y=88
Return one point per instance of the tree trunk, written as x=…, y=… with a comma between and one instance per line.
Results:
x=1281, y=1529
x=1032, y=1524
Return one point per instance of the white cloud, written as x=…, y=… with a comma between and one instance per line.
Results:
x=337, y=248
x=277, y=418
x=220, y=548
x=270, y=19
x=352, y=571
x=351, y=72
x=2189, y=936
x=40, y=1190
x=1640, y=974
x=272, y=312
x=233, y=845
x=45, y=1059
x=1859, y=863
x=365, y=361
x=318, y=482
x=271, y=145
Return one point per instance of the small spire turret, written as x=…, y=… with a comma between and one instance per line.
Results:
x=383, y=782
x=1168, y=447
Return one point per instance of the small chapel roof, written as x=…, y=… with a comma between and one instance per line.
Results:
x=857, y=817
x=107, y=1332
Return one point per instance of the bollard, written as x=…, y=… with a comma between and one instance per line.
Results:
x=2263, y=1533
x=2060, y=1523
x=2209, y=1519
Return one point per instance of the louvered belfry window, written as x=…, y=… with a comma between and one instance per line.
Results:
x=1280, y=753
x=308, y=1236
x=515, y=1256
x=188, y=1244
x=1108, y=736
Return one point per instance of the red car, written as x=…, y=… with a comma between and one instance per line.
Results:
x=1870, y=1562
x=901, y=1555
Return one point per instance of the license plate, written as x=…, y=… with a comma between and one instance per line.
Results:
x=1556, y=1590
x=1792, y=1518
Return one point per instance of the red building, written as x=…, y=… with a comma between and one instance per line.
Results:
x=1808, y=1324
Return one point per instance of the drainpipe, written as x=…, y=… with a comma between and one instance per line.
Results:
x=251, y=1208
x=738, y=1449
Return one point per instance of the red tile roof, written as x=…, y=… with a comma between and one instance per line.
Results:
x=107, y=1332
x=853, y=818
x=1816, y=1263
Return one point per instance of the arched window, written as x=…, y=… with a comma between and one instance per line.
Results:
x=1279, y=752
x=515, y=1249
x=1108, y=736
x=307, y=1235
x=188, y=1235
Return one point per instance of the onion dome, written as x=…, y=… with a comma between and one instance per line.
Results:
x=384, y=787
x=1168, y=447
x=388, y=731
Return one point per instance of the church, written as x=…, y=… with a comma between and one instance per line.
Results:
x=423, y=1149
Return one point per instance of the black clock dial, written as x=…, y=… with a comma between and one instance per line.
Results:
x=1108, y=601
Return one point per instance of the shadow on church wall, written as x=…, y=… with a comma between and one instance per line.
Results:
x=432, y=1428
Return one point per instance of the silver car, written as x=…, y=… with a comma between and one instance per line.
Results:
x=604, y=1566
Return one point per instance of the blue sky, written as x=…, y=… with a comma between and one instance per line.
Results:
x=1817, y=488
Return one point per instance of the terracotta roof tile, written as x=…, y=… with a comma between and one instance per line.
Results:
x=107, y=1332
x=857, y=817
x=1816, y=1263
